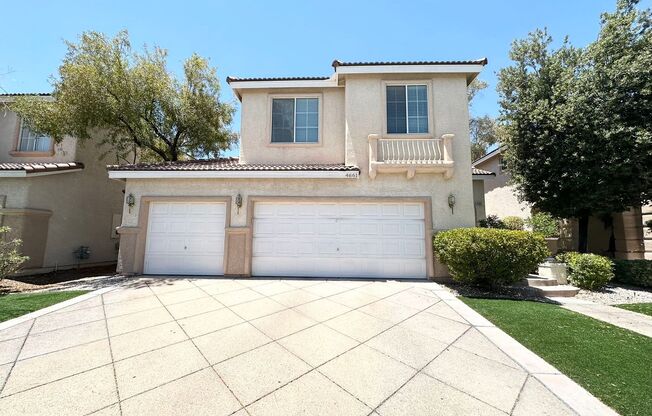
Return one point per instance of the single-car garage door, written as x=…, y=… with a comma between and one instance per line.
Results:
x=185, y=238
x=339, y=239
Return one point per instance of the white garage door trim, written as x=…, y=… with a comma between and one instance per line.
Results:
x=185, y=238
x=340, y=238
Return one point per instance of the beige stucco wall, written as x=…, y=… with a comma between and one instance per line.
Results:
x=80, y=204
x=345, y=132
x=500, y=197
x=9, y=130
x=255, y=131
x=349, y=115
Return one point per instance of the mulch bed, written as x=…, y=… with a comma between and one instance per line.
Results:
x=42, y=281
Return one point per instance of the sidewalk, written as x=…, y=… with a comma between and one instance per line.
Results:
x=623, y=318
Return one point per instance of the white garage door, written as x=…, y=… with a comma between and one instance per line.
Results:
x=185, y=238
x=339, y=239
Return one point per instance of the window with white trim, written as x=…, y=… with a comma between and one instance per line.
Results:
x=407, y=109
x=30, y=141
x=295, y=120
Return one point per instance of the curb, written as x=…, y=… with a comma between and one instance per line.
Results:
x=568, y=391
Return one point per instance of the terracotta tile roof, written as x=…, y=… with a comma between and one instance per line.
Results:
x=228, y=164
x=477, y=171
x=237, y=79
x=37, y=167
x=482, y=61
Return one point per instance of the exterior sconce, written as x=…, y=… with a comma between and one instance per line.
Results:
x=451, y=202
x=238, y=202
x=131, y=201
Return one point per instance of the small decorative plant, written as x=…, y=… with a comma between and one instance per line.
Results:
x=544, y=224
x=513, y=222
x=588, y=271
x=10, y=257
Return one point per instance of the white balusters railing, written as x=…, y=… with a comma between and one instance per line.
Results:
x=409, y=151
x=391, y=155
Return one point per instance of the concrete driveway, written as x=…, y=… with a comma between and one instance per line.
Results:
x=272, y=347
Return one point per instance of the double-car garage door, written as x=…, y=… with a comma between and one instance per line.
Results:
x=321, y=239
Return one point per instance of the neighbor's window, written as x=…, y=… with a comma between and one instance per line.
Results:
x=407, y=109
x=295, y=120
x=29, y=141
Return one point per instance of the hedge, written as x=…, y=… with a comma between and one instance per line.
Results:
x=633, y=272
x=488, y=256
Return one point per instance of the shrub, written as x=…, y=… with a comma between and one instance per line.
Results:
x=492, y=221
x=489, y=257
x=514, y=223
x=10, y=257
x=588, y=271
x=544, y=223
x=633, y=272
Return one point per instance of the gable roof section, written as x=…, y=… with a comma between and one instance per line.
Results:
x=488, y=156
x=482, y=61
x=231, y=168
x=227, y=164
x=25, y=169
x=237, y=79
x=482, y=172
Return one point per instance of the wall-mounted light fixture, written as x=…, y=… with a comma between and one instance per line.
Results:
x=238, y=202
x=131, y=201
x=451, y=202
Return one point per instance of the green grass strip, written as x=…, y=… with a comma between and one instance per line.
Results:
x=14, y=305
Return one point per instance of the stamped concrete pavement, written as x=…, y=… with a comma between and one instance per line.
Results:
x=274, y=347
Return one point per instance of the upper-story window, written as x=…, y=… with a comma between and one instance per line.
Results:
x=30, y=141
x=295, y=120
x=407, y=109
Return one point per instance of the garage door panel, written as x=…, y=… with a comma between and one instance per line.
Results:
x=339, y=239
x=185, y=238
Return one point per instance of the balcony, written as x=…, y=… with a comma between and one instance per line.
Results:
x=411, y=156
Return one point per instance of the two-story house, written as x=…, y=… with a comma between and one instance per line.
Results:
x=341, y=176
x=55, y=197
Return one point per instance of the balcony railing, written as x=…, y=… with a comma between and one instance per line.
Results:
x=411, y=155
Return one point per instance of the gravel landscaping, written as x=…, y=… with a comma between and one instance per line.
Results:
x=617, y=294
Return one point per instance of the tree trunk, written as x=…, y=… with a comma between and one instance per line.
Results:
x=583, y=238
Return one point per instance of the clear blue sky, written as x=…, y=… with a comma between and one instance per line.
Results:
x=290, y=38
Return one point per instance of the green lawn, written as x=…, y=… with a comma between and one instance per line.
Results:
x=13, y=305
x=614, y=364
x=645, y=308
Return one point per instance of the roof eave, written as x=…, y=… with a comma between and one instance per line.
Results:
x=232, y=174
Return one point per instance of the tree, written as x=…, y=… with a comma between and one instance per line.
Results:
x=104, y=85
x=483, y=129
x=10, y=257
x=484, y=134
x=578, y=121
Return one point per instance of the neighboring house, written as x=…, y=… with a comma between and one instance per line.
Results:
x=628, y=238
x=499, y=196
x=55, y=197
x=340, y=176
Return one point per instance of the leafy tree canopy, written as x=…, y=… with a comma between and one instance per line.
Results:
x=578, y=122
x=483, y=129
x=104, y=85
